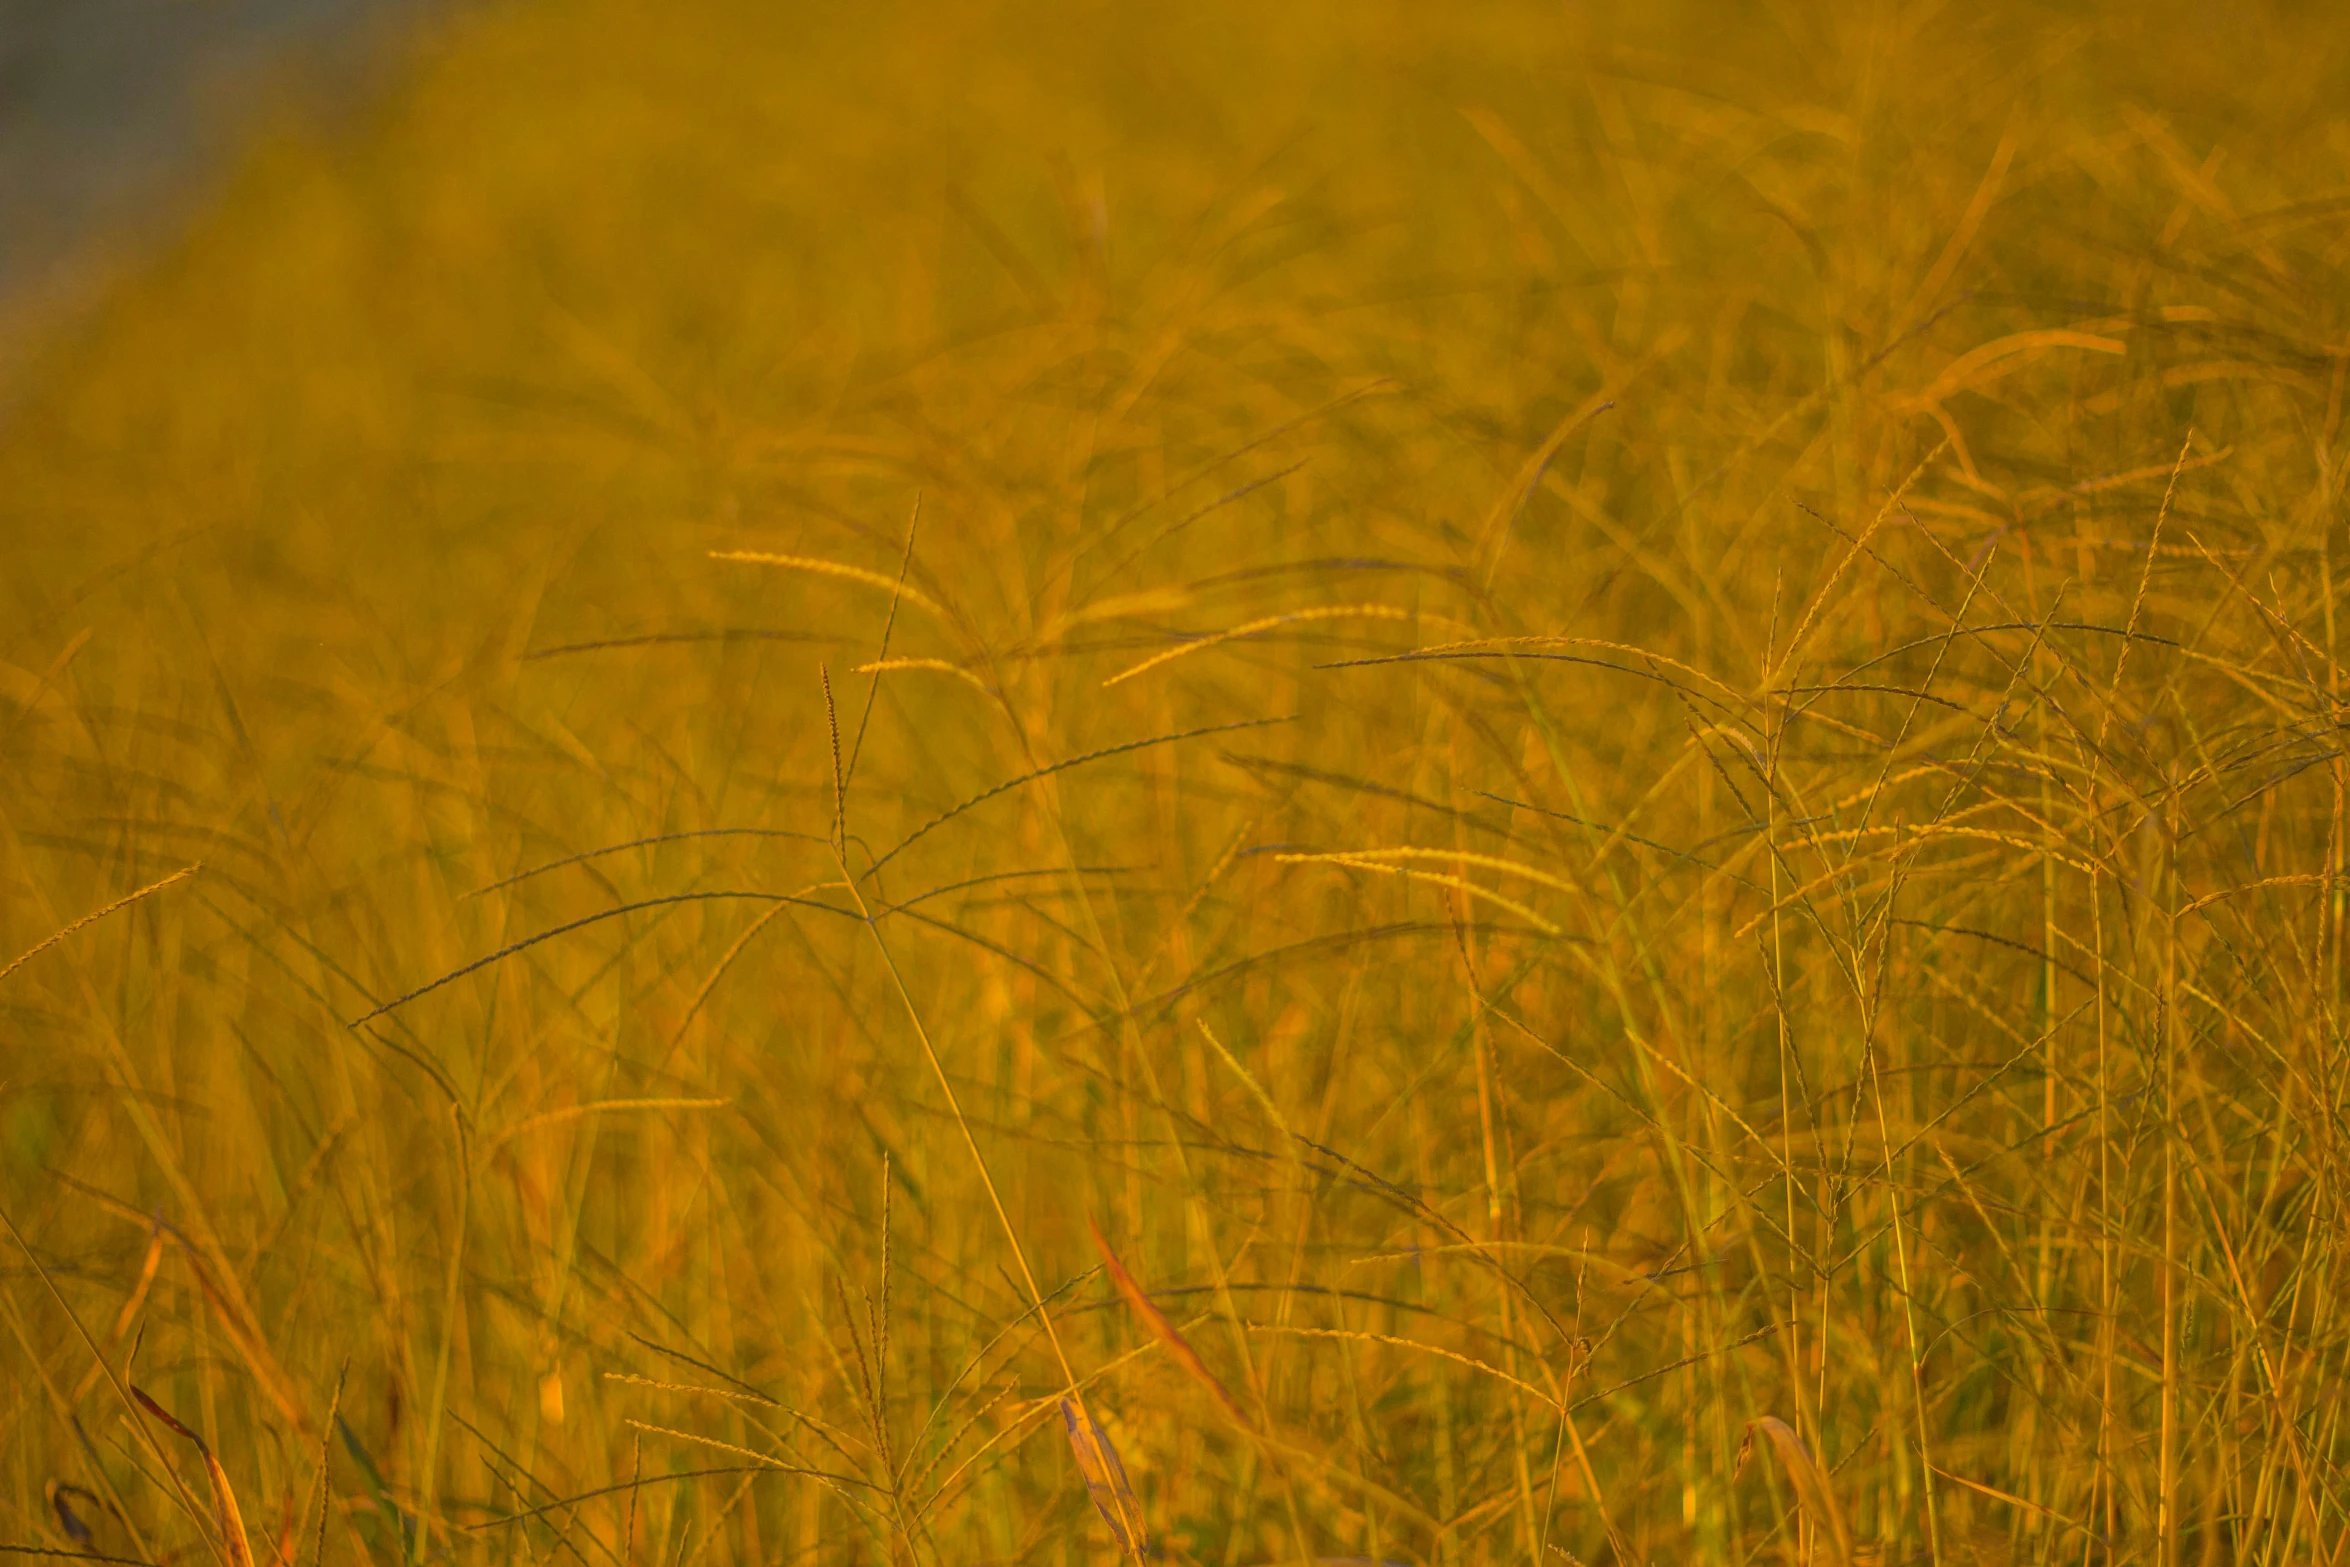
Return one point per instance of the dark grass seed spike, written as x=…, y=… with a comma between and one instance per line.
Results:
x=334, y=1412
x=582, y=922
x=1009, y=784
x=639, y=843
x=840, y=820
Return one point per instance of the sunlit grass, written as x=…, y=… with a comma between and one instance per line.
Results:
x=1621, y=736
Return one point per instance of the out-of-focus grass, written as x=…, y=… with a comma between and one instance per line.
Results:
x=1748, y=824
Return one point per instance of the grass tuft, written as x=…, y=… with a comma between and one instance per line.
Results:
x=1621, y=725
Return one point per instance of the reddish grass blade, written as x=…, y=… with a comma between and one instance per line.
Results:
x=1165, y=1331
x=224, y=1498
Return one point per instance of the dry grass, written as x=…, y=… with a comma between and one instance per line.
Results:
x=1613, y=726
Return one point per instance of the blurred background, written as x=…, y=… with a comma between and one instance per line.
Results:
x=114, y=114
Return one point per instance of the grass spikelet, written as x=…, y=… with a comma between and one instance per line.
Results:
x=891, y=666
x=601, y=1107
x=1811, y=1485
x=1118, y=606
x=834, y=568
x=1165, y=1331
x=94, y=916
x=238, y=1550
x=1255, y=627
x=1460, y=884
x=1491, y=862
x=1105, y=1478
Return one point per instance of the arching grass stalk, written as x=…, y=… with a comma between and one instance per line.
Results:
x=938, y=1070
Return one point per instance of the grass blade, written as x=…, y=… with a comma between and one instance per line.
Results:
x=1810, y=1482
x=224, y=1496
x=1105, y=1478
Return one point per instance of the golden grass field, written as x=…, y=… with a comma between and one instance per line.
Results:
x=1619, y=727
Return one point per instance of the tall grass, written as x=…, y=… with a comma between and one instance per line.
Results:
x=1619, y=729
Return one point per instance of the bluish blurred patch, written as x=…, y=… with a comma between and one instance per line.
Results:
x=111, y=111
